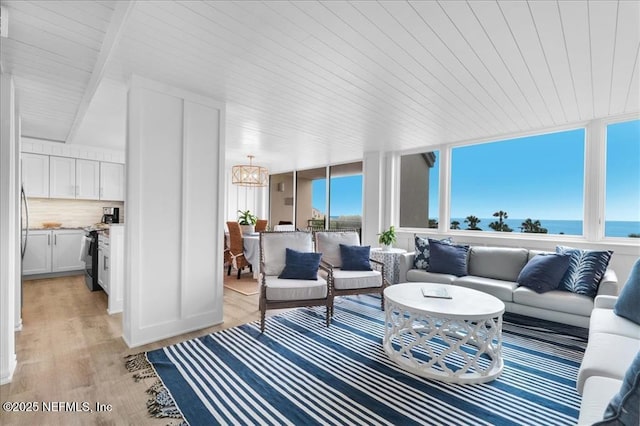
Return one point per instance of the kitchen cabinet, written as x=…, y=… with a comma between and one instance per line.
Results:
x=35, y=175
x=111, y=181
x=74, y=178
x=37, y=256
x=65, y=253
x=62, y=177
x=87, y=179
x=53, y=251
x=103, y=263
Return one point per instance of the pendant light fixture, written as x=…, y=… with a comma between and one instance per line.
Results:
x=249, y=175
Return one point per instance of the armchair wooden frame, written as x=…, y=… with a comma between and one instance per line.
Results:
x=265, y=304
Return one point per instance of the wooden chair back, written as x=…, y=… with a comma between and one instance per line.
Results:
x=261, y=225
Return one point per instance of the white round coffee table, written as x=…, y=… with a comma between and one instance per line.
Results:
x=457, y=340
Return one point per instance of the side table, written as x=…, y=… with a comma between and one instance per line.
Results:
x=391, y=260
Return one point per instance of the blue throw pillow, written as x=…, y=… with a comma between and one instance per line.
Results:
x=624, y=407
x=421, y=258
x=355, y=258
x=628, y=303
x=585, y=271
x=300, y=265
x=447, y=258
x=544, y=272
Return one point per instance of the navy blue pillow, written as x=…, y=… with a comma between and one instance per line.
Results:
x=623, y=407
x=628, y=303
x=355, y=258
x=300, y=265
x=421, y=257
x=447, y=258
x=585, y=271
x=544, y=272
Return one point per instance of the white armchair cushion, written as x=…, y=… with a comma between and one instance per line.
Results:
x=274, y=245
x=280, y=290
x=328, y=243
x=343, y=280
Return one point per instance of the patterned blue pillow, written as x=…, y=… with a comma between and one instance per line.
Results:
x=585, y=271
x=421, y=258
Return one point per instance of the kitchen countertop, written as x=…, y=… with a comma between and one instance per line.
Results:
x=42, y=228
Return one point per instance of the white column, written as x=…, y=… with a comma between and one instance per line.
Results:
x=175, y=212
x=373, y=205
x=9, y=209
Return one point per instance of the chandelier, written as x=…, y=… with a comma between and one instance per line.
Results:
x=249, y=175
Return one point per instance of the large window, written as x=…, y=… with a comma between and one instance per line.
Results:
x=531, y=184
x=419, y=190
x=622, y=209
x=345, y=196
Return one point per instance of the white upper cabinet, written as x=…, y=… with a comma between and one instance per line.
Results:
x=111, y=181
x=62, y=177
x=35, y=175
x=87, y=179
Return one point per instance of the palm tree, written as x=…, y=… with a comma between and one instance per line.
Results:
x=533, y=227
x=433, y=223
x=455, y=224
x=499, y=225
x=473, y=223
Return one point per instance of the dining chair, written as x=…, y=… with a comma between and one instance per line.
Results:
x=352, y=270
x=261, y=225
x=289, y=274
x=285, y=228
x=236, y=248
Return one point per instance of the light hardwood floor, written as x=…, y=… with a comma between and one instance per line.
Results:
x=71, y=350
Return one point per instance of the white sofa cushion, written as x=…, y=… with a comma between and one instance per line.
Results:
x=278, y=289
x=500, y=263
x=596, y=395
x=555, y=300
x=343, y=280
x=328, y=243
x=606, y=321
x=607, y=355
x=418, y=275
x=503, y=290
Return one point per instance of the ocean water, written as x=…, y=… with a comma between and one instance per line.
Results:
x=567, y=227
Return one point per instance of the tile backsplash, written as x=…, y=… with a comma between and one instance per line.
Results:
x=71, y=213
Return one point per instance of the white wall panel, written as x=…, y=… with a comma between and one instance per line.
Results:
x=174, y=178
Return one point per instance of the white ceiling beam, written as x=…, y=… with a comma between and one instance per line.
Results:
x=118, y=21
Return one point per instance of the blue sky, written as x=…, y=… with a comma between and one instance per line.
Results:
x=346, y=195
x=537, y=177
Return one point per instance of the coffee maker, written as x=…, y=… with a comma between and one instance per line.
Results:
x=110, y=215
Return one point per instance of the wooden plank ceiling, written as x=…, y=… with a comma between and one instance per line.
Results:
x=308, y=83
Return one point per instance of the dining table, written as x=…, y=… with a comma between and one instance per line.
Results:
x=251, y=249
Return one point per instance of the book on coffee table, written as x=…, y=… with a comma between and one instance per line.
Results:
x=437, y=293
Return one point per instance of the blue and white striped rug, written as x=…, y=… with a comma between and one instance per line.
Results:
x=301, y=372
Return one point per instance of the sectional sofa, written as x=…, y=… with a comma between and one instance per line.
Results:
x=494, y=270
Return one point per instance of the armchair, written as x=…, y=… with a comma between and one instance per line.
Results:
x=345, y=281
x=278, y=293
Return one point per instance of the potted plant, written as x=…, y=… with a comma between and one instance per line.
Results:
x=247, y=221
x=387, y=238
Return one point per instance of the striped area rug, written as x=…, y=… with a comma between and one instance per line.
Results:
x=301, y=372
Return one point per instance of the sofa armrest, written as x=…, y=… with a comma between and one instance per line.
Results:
x=609, y=285
x=406, y=263
x=605, y=302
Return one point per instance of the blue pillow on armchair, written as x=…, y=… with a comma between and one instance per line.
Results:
x=355, y=258
x=300, y=265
